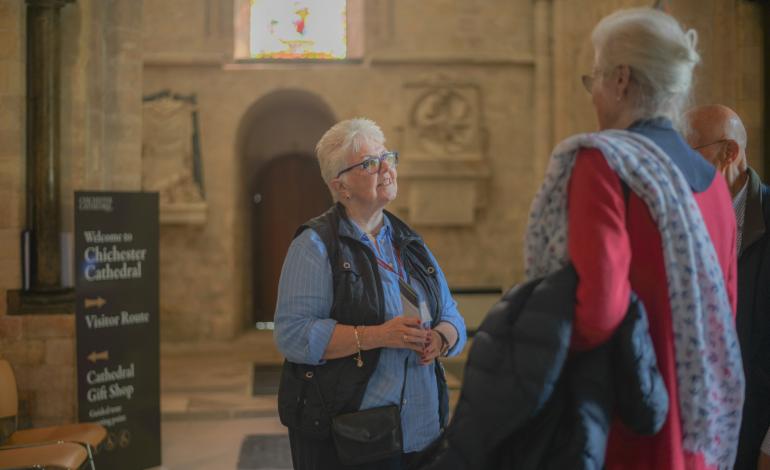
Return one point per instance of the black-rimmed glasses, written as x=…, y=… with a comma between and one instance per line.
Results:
x=372, y=163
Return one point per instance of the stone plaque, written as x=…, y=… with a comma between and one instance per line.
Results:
x=444, y=122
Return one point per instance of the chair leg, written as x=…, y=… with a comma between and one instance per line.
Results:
x=90, y=457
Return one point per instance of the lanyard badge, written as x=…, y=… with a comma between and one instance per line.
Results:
x=410, y=301
x=411, y=304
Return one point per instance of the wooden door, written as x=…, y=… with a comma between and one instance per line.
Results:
x=290, y=191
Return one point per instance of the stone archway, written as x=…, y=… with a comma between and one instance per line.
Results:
x=276, y=148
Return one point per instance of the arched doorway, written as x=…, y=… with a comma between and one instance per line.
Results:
x=288, y=191
x=276, y=142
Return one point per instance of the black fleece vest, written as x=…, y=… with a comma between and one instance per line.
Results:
x=309, y=396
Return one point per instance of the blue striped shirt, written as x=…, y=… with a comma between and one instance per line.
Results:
x=303, y=329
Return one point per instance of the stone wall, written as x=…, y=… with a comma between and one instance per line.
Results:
x=101, y=149
x=523, y=57
x=101, y=98
x=12, y=170
x=12, y=174
x=41, y=350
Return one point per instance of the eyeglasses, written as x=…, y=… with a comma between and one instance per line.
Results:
x=372, y=163
x=720, y=141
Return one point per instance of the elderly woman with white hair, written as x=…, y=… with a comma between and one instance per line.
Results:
x=634, y=208
x=363, y=313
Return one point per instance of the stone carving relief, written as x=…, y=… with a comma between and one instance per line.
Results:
x=444, y=122
x=443, y=168
x=171, y=161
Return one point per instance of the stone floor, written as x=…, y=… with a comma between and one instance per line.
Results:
x=207, y=407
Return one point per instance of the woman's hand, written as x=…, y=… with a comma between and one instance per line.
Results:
x=399, y=332
x=432, y=349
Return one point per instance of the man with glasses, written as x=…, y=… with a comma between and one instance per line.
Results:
x=718, y=134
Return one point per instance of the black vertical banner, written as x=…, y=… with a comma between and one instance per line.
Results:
x=118, y=342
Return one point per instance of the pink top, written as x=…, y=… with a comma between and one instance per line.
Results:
x=614, y=252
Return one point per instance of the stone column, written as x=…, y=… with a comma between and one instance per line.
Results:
x=43, y=140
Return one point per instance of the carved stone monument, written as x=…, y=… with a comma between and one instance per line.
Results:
x=171, y=163
x=443, y=147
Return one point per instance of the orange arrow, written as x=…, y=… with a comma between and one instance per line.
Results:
x=95, y=356
x=97, y=302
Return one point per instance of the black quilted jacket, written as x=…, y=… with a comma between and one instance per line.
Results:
x=528, y=403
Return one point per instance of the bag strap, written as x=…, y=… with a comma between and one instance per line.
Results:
x=328, y=411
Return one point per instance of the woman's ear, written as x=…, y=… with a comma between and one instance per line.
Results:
x=622, y=80
x=338, y=186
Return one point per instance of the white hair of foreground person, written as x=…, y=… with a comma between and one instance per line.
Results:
x=660, y=54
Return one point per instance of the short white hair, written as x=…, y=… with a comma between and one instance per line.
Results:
x=660, y=54
x=344, y=138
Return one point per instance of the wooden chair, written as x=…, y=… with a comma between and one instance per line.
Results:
x=61, y=455
x=87, y=435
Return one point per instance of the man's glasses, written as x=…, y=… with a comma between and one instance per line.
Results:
x=720, y=141
x=372, y=164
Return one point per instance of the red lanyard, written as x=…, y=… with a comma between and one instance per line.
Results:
x=385, y=265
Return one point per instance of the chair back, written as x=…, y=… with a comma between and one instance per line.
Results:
x=9, y=398
x=9, y=401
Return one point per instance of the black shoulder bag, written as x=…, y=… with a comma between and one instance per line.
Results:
x=370, y=435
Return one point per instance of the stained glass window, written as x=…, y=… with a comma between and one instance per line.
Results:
x=298, y=29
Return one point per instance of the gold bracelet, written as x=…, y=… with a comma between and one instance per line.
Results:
x=359, y=359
